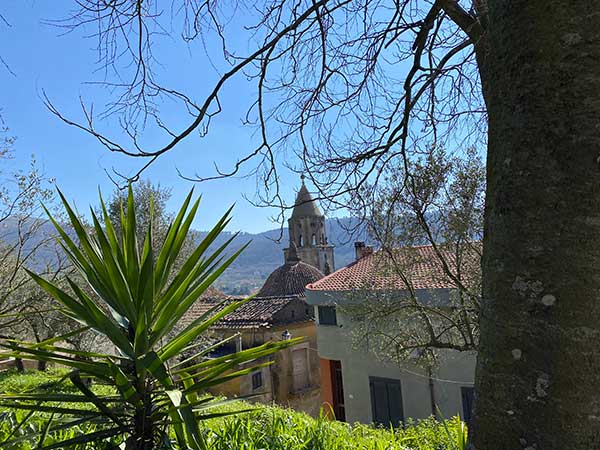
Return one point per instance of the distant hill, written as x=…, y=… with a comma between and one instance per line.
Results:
x=247, y=273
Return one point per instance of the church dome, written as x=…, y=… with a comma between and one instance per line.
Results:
x=290, y=279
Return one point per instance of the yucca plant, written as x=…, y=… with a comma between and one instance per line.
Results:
x=135, y=300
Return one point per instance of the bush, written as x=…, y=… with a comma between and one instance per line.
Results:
x=274, y=428
x=266, y=428
x=133, y=294
x=53, y=381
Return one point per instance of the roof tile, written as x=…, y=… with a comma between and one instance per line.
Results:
x=417, y=267
x=257, y=312
x=290, y=279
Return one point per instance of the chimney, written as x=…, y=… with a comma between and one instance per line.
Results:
x=361, y=250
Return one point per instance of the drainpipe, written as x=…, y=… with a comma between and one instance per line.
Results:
x=434, y=408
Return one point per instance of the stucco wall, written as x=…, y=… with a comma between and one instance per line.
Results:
x=278, y=378
x=455, y=370
x=307, y=400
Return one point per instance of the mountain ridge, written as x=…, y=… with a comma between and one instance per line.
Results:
x=245, y=275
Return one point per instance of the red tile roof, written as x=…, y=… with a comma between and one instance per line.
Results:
x=257, y=312
x=419, y=267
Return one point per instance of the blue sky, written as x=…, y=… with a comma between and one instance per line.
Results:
x=42, y=60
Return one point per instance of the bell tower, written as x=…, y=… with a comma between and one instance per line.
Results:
x=307, y=233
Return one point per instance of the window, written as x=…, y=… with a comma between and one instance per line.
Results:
x=327, y=315
x=313, y=240
x=257, y=380
x=300, y=241
x=386, y=401
x=468, y=396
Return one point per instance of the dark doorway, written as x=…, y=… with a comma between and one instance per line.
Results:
x=386, y=401
x=338, y=390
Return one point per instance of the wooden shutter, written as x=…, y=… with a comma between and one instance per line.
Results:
x=386, y=401
x=300, y=369
x=327, y=315
x=394, y=391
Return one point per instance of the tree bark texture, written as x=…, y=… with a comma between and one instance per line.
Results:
x=538, y=373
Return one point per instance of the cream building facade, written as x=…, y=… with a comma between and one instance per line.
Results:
x=359, y=386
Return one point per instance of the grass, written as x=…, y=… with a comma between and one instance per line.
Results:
x=266, y=428
x=52, y=381
x=274, y=428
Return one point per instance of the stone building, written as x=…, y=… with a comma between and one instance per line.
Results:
x=279, y=311
x=308, y=234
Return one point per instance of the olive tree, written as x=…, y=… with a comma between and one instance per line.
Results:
x=26, y=241
x=443, y=211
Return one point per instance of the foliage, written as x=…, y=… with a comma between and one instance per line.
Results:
x=26, y=240
x=275, y=428
x=149, y=200
x=439, y=205
x=17, y=382
x=52, y=381
x=139, y=299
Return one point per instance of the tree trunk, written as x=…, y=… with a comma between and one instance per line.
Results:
x=142, y=437
x=538, y=373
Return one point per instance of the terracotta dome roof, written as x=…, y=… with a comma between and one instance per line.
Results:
x=290, y=279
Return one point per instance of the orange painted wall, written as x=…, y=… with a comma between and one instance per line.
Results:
x=326, y=386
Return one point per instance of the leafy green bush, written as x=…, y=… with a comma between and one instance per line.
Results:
x=131, y=292
x=273, y=428
x=15, y=382
x=266, y=428
x=54, y=382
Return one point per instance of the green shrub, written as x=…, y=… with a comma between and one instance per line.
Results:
x=139, y=296
x=14, y=382
x=53, y=381
x=266, y=428
x=274, y=428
